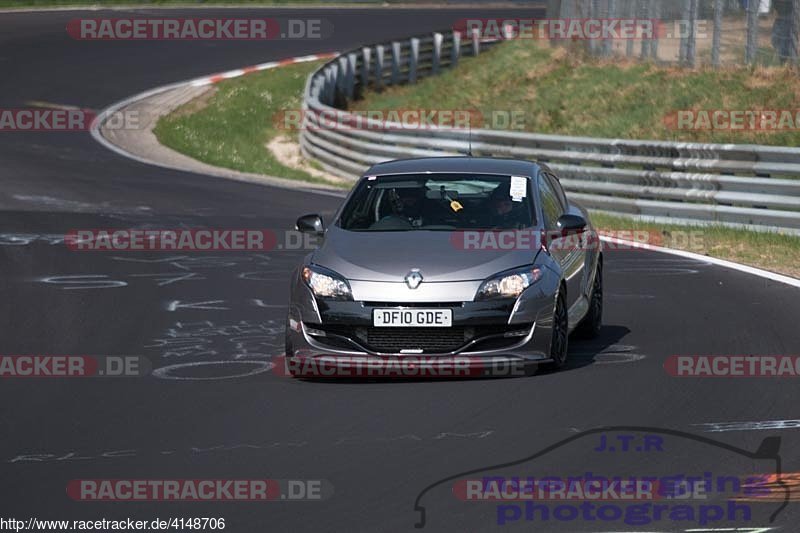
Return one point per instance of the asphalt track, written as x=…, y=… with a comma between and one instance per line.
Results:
x=379, y=444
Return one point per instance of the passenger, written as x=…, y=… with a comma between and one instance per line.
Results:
x=504, y=212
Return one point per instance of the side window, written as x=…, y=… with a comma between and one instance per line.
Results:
x=559, y=191
x=551, y=207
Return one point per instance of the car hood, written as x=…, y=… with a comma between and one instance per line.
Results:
x=389, y=256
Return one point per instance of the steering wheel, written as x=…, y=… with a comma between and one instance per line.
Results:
x=392, y=222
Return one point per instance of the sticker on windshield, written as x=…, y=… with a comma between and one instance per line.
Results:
x=519, y=188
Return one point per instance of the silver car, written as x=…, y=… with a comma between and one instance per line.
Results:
x=482, y=259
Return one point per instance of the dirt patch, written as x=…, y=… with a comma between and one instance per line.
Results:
x=197, y=104
x=287, y=152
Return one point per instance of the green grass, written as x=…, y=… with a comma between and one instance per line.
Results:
x=770, y=251
x=233, y=127
x=567, y=93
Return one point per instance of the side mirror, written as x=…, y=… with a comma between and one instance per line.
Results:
x=571, y=224
x=310, y=224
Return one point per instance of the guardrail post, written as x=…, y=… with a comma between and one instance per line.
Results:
x=413, y=59
x=455, y=52
x=437, y=53
x=396, y=51
x=317, y=87
x=341, y=79
x=334, y=83
x=328, y=89
x=366, y=66
x=351, y=76
x=379, y=66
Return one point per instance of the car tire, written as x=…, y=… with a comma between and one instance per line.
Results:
x=592, y=323
x=559, y=342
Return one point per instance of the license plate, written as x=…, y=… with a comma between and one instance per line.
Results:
x=411, y=318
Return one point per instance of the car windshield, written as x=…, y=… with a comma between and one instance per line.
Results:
x=439, y=202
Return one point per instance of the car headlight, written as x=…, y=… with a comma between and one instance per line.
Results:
x=509, y=284
x=325, y=283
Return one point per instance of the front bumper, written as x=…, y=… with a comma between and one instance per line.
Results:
x=486, y=334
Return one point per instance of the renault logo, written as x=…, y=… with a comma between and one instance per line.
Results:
x=413, y=279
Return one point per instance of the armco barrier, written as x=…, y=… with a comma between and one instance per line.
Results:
x=688, y=183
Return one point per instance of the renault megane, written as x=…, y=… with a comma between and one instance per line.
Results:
x=485, y=259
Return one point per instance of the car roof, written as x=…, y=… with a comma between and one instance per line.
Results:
x=476, y=165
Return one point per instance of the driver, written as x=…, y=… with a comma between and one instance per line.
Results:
x=409, y=203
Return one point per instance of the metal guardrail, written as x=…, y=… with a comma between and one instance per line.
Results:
x=688, y=183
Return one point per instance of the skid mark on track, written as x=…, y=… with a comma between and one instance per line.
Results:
x=657, y=267
x=81, y=207
x=631, y=296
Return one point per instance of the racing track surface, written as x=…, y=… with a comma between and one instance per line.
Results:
x=379, y=444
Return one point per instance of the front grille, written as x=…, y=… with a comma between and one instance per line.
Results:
x=432, y=340
x=429, y=340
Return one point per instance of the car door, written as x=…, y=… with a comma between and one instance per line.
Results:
x=586, y=250
x=562, y=249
